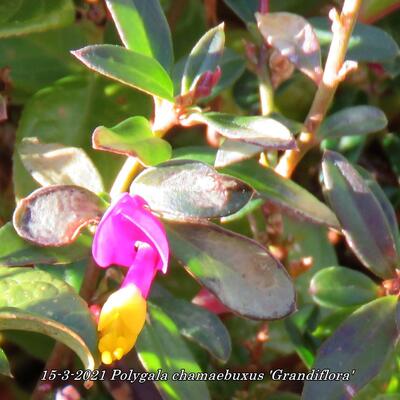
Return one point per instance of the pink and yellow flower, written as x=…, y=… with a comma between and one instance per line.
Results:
x=128, y=235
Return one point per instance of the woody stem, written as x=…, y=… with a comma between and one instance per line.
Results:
x=342, y=27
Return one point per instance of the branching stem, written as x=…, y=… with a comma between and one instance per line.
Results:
x=334, y=73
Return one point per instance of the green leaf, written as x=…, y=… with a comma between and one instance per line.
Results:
x=160, y=346
x=367, y=43
x=26, y=16
x=72, y=273
x=55, y=215
x=130, y=68
x=232, y=66
x=357, y=120
x=67, y=112
x=196, y=323
x=372, y=10
x=294, y=38
x=350, y=289
x=16, y=251
x=363, y=221
x=133, y=137
x=143, y=28
x=47, y=54
x=266, y=132
x=372, y=325
x=32, y=300
x=205, y=56
x=185, y=190
x=56, y=164
x=270, y=186
x=237, y=270
x=4, y=365
x=244, y=9
x=297, y=327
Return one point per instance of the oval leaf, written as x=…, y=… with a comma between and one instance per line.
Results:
x=351, y=288
x=361, y=343
x=363, y=221
x=133, y=137
x=15, y=251
x=143, y=28
x=26, y=16
x=204, y=57
x=160, y=346
x=56, y=164
x=54, y=215
x=295, y=39
x=32, y=300
x=262, y=131
x=358, y=120
x=233, y=151
x=271, y=187
x=196, y=324
x=237, y=270
x=132, y=69
x=187, y=189
x=367, y=43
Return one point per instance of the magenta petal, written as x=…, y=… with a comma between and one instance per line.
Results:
x=143, y=270
x=126, y=222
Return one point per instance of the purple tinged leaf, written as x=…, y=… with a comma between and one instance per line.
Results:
x=265, y=132
x=361, y=344
x=240, y=272
x=363, y=221
x=189, y=190
x=55, y=215
x=295, y=38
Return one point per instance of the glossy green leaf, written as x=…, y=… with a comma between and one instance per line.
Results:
x=232, y=66
x=72, y=273
x=266, y=132
x=357, y=120
x=160, y=346
x=270, y=186
x=362, y=219
x=361, y=344
x=293, y=37
x=367, y=43
x=55, y=215
x=237, y=270
x=185, y=189
x=205, y=56
x=47, y=54
x=143, y=28
x=339, y=287
x=130, y=68
x=67, y=113
x=56, y=164
x=196, y=324
x=16, y=251
x=21, y=17
x=4, y=365
x=245, y=9
x=32, y=300
x=297, y=327
x=133, y=137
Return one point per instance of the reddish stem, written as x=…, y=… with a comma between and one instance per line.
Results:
x=264, y=6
